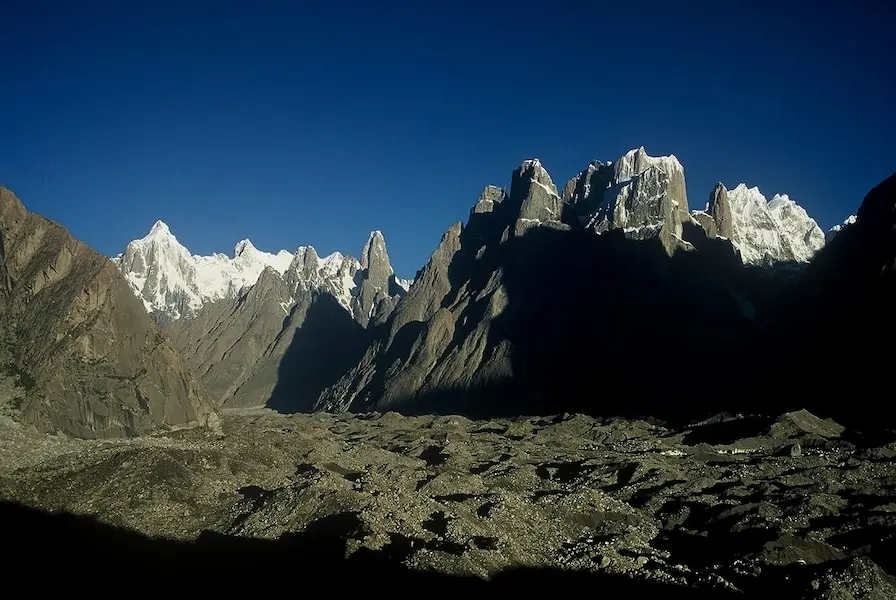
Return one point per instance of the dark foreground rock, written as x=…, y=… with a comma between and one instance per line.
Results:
x=733, y=507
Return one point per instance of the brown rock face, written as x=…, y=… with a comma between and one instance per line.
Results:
x=93, y=363
x=376, y=273
x=266, y=348
x=720, y=211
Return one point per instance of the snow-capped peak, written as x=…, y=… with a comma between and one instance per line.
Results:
x=766, y=232
x=159, y=227
x=242, y=246
x=172, y=281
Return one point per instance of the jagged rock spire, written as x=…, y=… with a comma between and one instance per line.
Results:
x=719, y=208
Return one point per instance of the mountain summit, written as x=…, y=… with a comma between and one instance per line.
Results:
x=498, y=320
x=486, y=310
x=765, y=231
x=173, y=283
x=282, y=338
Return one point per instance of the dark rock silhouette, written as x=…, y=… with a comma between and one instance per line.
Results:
x=554, y=319
x=847, y=321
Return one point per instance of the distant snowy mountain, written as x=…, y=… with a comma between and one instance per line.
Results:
x=833, y=231
x=765, y=232
x=173, y=283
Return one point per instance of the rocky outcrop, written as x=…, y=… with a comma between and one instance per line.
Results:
x=534, y=192
x=490, y=324
x=375, y=275
x=490, y=197
x=642, y=195
x=335, y=274
x=225, y=341
x=93, y=363
x=280, y=341
x=719, y=210
x=245, y=351
x=584, y=193
x=449, y=289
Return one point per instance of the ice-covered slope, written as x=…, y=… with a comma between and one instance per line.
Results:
x=173, y=283
x=767, y=232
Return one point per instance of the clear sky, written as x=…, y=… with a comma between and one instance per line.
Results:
x=315, y=122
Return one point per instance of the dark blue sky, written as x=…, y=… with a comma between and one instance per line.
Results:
x=315, y=122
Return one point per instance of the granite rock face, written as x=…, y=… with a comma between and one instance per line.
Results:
x=277, y=344
x=92, y=362
x=642, y=195
x=719, y=208
x=484, y=328
x=280, y=341
x=376, y=275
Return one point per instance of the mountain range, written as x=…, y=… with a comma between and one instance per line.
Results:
x=612, y=296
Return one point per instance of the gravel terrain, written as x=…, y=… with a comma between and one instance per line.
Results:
x=734, y=507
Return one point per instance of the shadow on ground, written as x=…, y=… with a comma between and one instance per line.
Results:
x=71, y=550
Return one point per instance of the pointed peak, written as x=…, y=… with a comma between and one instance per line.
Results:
x=159, y=232
x=530, y=170
x=307, y=256
x=242, y=246
x=375, y=238
x=374, y=251
x=531, y=163
x=159, y=227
